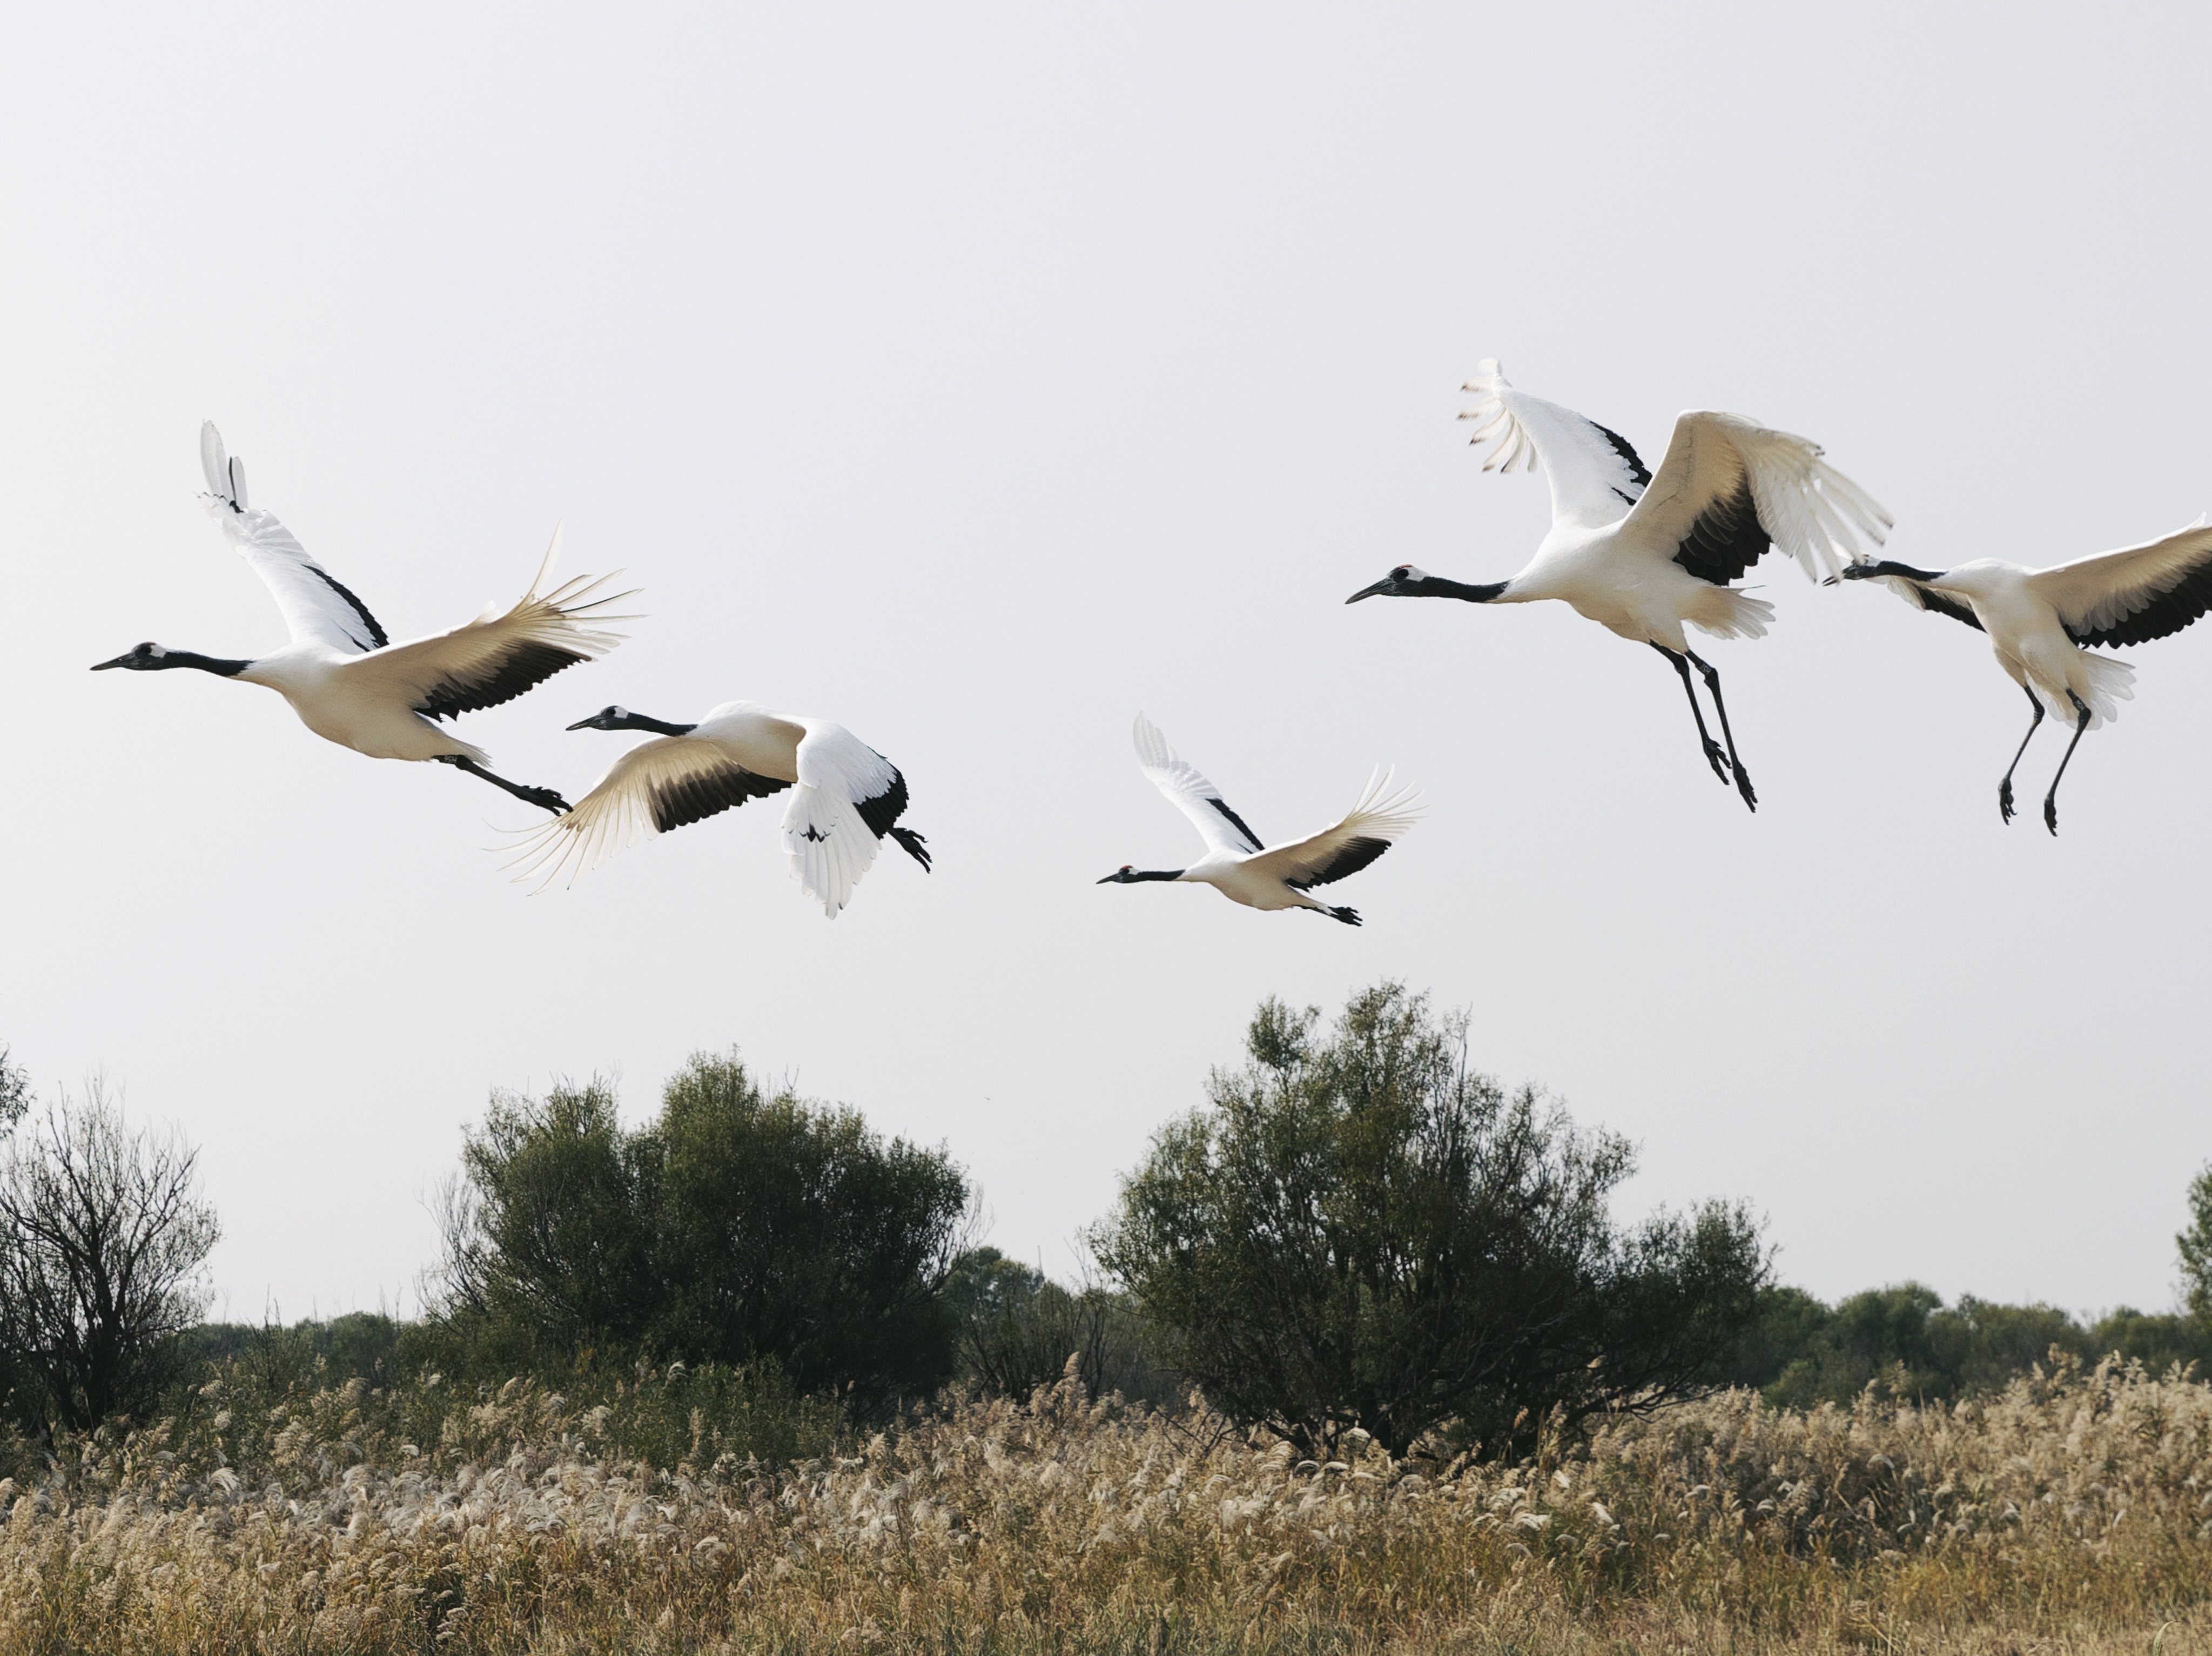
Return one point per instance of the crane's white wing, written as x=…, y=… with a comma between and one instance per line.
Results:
x=1729, y=486
x=2131, y=596
x=497, y=656
x=1191, y=794
x=316, y=608
x=829, y=828
x=1594, y=474
x=1346, y=846
x=657, y=787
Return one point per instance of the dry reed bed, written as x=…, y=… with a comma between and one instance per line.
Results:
x=2076, y=1507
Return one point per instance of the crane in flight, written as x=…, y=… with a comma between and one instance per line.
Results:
x=349, y=683
x=846, y=798
x=1238, y=865
x=1647, y=556
x=2042, y=625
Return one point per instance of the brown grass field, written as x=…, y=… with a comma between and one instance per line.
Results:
x=2071, y=1513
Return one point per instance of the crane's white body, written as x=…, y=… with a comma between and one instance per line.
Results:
x=1604, y=577
x=739, y=751
x=349, y=685
x=2043, y=624
x=1277, y=877
x=1624, y=548
x=2021, y=610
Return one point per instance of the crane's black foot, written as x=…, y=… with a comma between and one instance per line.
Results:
x=912, y=844
x=2050, y=814
x=1350, y=916
x=544, y=798
x=1743, y=786
x=2004, y=798
x=1717, y=759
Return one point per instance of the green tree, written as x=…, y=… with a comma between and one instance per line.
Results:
x=2195, y=1246
x=789, y=1229
x=738, y=1225
x=1358, y=1232
x=550, y=1229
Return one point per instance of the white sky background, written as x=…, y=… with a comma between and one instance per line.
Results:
x=978, y=378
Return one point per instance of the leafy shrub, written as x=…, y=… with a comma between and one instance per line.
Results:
x=1357, y=1232
x=738, y=1225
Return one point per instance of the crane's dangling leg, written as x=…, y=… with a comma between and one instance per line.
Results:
x=2004, y=787
x=914, y=844
x=1713, y=755
x=1713, y=685
x=543, y=797
x=2050, y=799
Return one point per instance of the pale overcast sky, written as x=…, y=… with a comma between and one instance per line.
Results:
x=977, y=377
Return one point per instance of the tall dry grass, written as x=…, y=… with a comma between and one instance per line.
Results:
x=2074, y=1511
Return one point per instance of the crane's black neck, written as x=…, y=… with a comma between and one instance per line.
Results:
x=165, y=660
x=1133, y=876
x=1888, y=566
x=659, y=727
x=1435, y=586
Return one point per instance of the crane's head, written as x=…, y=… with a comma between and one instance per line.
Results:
x=1404, y=582
x=621, y=718
x=607, y=718
x=148, y=657
x=1124, y=875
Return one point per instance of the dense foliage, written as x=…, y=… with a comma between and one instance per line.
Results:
x=1360, y=1233
x=1905, y=1342
x=737, y=1225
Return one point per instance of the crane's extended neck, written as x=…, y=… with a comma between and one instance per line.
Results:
x=153, y=658
x=1435, y=586
x=1889, y=566
x=1407, y=581
x=621, y=718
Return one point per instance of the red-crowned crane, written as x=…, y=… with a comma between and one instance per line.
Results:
x=349, y=683
x=847, y=798
x=1647, y=556
x=1274, y=877
x=2042, y=622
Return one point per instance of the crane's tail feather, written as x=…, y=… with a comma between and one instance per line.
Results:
x=1730, y=612
x=2105, y=683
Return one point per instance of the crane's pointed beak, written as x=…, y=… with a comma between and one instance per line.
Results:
x=592, y=723
x=119, y=662
x=1379, y=588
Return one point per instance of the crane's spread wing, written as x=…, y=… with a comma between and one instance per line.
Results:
x=655, y=787
x=1594, y=474
x=497, y=656
x=1730, y=487
x=1347, y=846
x=1191, y=794
x=2134, y=595
x=317, y=608
x=1932, y=599
x=848, y=795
